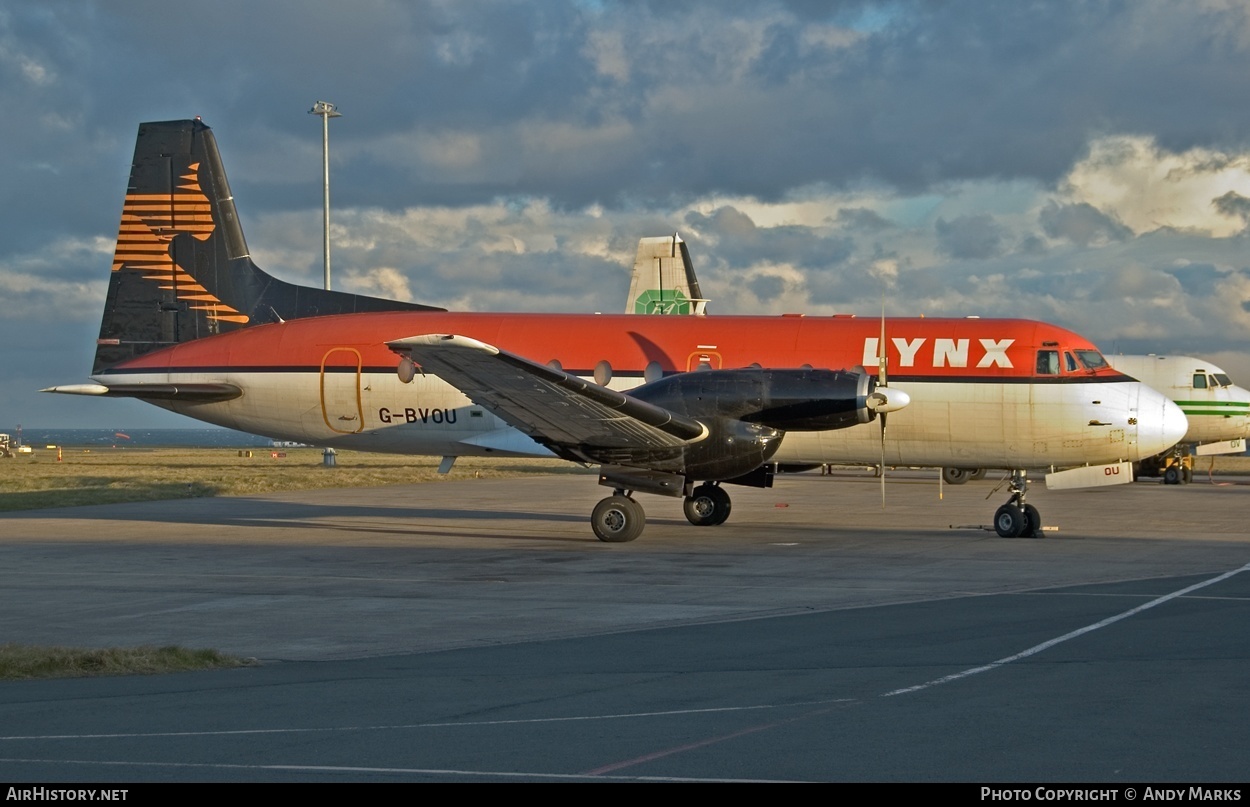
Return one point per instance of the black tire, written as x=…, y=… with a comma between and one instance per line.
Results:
x=1009, y=521
x=1172, y=476
x=708, y=506
x=1187, y=475
x=978, y=474
x=955, y=476
x=618, y=520
x=1032, y=522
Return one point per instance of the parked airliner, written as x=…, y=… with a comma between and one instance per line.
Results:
x=677, y=406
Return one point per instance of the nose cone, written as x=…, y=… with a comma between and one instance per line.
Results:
x=1160, y=423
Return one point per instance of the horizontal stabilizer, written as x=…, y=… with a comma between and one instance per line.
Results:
x=1091, y=476
x=154, y=392
x=551, y=406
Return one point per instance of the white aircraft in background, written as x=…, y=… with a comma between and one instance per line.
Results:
x=678, y=406
x=1217, y=409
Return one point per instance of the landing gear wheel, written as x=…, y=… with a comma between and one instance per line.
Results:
x=1032, y=522
x=978, y=474
x=955, y=476
x=1187, y=475
x=1172, y=476
x=1010, y=521
x=708, y=506
x=618, y=519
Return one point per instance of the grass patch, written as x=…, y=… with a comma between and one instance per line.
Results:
x=112, y=476
x=27, y=662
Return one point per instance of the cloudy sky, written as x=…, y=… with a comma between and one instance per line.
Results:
x=1083, y=163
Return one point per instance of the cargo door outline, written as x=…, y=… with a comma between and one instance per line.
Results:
x=340, y=392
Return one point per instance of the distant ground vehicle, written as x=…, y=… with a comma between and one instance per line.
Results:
x=10, y=447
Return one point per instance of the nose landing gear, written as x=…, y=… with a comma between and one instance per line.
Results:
x=1016, y=518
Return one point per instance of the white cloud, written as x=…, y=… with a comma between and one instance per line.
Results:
x=1146, y=187
x=383, y=281
x=606, y=50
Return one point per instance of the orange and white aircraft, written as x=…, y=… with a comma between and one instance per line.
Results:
x=192, y=325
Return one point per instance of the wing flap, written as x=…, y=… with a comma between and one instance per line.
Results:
x=551, y=406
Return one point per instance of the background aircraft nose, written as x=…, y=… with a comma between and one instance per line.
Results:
x=1242, y=395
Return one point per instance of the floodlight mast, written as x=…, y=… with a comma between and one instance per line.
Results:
x=326, y=110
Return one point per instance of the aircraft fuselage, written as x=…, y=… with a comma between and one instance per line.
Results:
x=977, y=398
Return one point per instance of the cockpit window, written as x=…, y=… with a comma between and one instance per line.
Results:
x=1200, y=380
x=1222, y=380
x=1092, y=359
x=1069, y=362
x=1048, y=362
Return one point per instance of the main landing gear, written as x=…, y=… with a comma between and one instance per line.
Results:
x=708, y=505
x=618, y=518
x=1016, y=519
x=958, y=476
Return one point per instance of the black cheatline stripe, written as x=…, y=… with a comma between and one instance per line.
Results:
x=911, y=379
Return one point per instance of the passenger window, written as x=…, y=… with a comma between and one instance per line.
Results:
x=1048, y=362
x=1069, y=362
x=1200, y=380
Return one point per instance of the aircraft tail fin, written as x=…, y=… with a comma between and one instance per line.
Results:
x=181, y=269
x=664, y=281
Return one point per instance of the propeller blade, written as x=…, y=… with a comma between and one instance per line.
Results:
x=882, y=418
x=881, y=396
x=882, y=380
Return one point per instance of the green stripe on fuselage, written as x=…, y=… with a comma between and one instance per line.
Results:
x=1228, y=407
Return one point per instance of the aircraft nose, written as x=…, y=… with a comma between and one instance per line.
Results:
x=1160, y=423
x=1241, y=400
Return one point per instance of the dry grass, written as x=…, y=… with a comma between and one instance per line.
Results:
x=112, y=475
x=108, y=476
x=24, y=661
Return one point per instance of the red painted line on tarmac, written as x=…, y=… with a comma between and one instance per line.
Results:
x=616, y=766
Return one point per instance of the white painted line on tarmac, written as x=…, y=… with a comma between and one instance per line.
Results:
x=410, y=726
x=1074, y=634
x=354, y=769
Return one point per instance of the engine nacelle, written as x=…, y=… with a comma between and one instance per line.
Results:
x=747, y=412
x=730, y=448
x=789, y=400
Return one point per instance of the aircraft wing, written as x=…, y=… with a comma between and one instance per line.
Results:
x=553, y=407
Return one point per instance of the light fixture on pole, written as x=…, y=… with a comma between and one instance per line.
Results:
x=326, y=110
